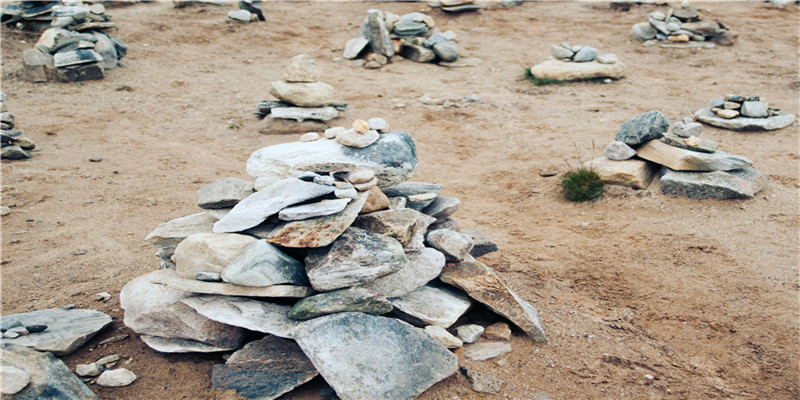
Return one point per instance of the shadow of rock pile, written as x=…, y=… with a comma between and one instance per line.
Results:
x=574, y=63
x=683, y=28
x=689, y=166
x=14, y=145
x=744, y=113
x=338, y=259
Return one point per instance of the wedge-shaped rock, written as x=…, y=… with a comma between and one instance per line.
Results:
x=354, y=47
x=168, y=234
x=313, y=210
x=399, y=224
x=407, y=189
x=171, y=279
x=484, y=285
x=208, y=252
x=49, y=377
x=371, y=358
x=169, y=345
x=75, y=58
x=455, y=245
x=67, y=330
x=351, y=299
x=246, y=313
x=687, y=160
x=303, y=94
x=393, y=158
x=572, y=71
x=483, y=243
x=262, y=264
x=355, y=258
x=304, y=113
x=777, y=121
x=633, y=173
x=431, y=305
x=735, y=184
x=264, y=369
x=694, y=144
x=257, y=207
x=224, y=193
x=442, y=207
x=422, y=267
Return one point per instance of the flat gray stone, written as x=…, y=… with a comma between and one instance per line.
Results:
x=303, y=94
x=246, y=313
x=735, y=184
x=170, y=345
x=49, y=377
x=371, y=358
x=443, y=336
x=171, y=279
x=67, y=330
x=398, y=224
x=560, y=52
x=76, y=57
x=417, y=242
x=486, y=350
x=208, y=252
x=618, y=151
x=116, y=378
x=313, y=210
x=304, y=113
x=406, y=189
x=410, y=25
x=257, y=207
x=702, y=145
x=643, y=31
x=483, y=244
x=585, y=54
x=14, y=379
x=15, y=153
x=354, y=299
x=571, y=71
x=686, y=129
x=351, y=138
x=778, y=121
x=422, y=267
x=167, y=235
x=687, y=160
x=642, y=128
x=431, y=305
x=455, y=246
x=608, y=58
x=354, y=47
x=447, y=50
x=224, y=193
x=262, y=264
x=442, y=207
x=469, y=333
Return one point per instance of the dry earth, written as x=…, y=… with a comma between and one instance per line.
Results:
x=700, y=295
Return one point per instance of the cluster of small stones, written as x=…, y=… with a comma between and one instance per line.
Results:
x=40, y=15
x=14, y=145
x=376, y=265
x=683, y=25
x=249, y=11
x=74, y=48
x=734, y=106
x=690, y=166
x=383, y=35
x=577, y=53
x=459, y=6
x=575, y=63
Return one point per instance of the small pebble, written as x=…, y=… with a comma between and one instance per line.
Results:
x=332, y=132
x=102, y=296
x=96, y=159
x=309, y=137
x=35, y=328
x=649, y=377
x=360, y=126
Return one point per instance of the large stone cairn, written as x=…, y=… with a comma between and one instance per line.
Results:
x=744, y=113
x=75, y=48
x=682, y=26
x=578, y=62
x=690, y=166
x=414, y=36
x=335, y=256
x=14, y=145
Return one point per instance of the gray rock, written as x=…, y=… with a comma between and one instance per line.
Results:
x=208, y=252
x=460, y=8
x=443, y=336
x=171, y=279
x=355, y=258
x=571, y=71
x=702, y=145
x=304, y=113
x=169, y=345
x=642, y=128
x=14, y=379
x=313, y=210
x=618, y=151
x=351, y=138
x=359, y=176
x=422, y=267
x=14, y=153
x=585, y=54
x=484, y=383
x=107, y=51
x=660, y=26
x=264, y=108
x=687, y=129
x=167, y=235
x=417, y=53
x=417, y=242
x=255, y=208
x=754, y=109
x=735, y=184
x=455, y=246
x=262, y=264
x=264, y=369
x=377, y=34
x=435, y=38
x=36, y=65
x=76, y=57
x=354, y=299
x=303, y=94
x=224, y=193
x=410, y=25
x=687, y=160
x=419, y=201
x=406, y=189
x=777, y=121
x=486, y=350
x=67, y=330
x=240, y=15
x=469, y=333
x=91, y=369
x=398, y=224
x=354, y=47
x=302, y=68
x=371, y=358
x=442, y=207
x=8, y=322
x=49, y=377
x=686, y=12
x=431, y=305
x=560, y=52
x=483, y=244
x=643, y=31
x=116, y=378
x=259, y=316
x=447, y=51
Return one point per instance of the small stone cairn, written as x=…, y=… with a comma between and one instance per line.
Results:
x=304, y=102
x=571, y=63
x=40, y=15
x=339, y=260
x=690, y=166
x=683, y=28
x=75, y=48
x=414, y=36
x=739, y=112
x=457, y=6
x=14, y=145
x=249, y=11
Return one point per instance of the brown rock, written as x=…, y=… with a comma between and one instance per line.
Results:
x=376, y=201
x=498, y=331
x=399, y=224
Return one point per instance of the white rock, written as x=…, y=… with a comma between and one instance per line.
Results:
x=378, y=124
x=116, y=378
x=469, y=333
x=90, y=369
x=443, y=336
x=309, y=137
x=13, y=379
x=331, y=133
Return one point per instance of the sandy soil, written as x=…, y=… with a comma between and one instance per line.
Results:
x=700, y=295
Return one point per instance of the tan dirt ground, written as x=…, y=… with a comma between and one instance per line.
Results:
x=702, y=295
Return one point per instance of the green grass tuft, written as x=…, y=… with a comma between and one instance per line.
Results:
x=582, y=185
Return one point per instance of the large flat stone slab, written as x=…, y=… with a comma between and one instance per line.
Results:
x=355, y=299
x=262, y=264
x=736, y=184
x=171, y=279
x=246, y=313
x=431, y=305
x=371, y=357
x=633, y=173
x=49, y=377
x=67, y=330
x=575, y=71
x=687, y=160
x=169, y=234
x=209, y=252
x=740, y=123
x=421, y=267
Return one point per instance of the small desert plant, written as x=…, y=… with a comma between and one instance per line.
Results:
x=582, y=184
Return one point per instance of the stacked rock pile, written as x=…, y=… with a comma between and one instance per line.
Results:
x=414, y=36
x=744, y=113
x=690, y=166
x=568, y=63
x=302, y=98
x=338, y=259
x=456, y=6
x=14, y=145
x=682, y=26
x=249, y=11
x=66, y=14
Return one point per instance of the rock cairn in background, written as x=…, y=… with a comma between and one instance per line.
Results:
x=742, y=113
x=573, y=63
x=66, y=14
x=690, y=166
x=459, y=6
x=336, y=258
x=75, y=48
x=414, y=36
x=304, y=102
x=249, y=11
x=14, y=145
x=683, y=28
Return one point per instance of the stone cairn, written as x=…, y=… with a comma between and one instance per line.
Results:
x=249, y=11
x=568, y=63
x=459, y=6
x=739, y=112
x=14, y=145
x=304, y=102
x=75, y=48
x=684, y=28
x=40, y=15
x=414, y=36
x=690, y=166
x=339, y=260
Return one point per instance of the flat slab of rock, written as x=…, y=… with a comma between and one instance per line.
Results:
x=304, y=113
x=208, y=252
x=48, y=377
x=486, y=350
x=399, y=224
x=171, y=279
x=67, y=330
x=633, y=173
x=442, y=207
x=393, y=158
x=407, y=189
x=303, y=94
x=355, y=299
x=455, y=245
x=116, y=378
x=736, y=184
x=246, y=313
x=224, y=193
x=421, y=267
x=278, y=126
x=687, y=160
x=354, y=47
x=779, y=121
x=170, y=233
x=483, y=244
x=483, y=284
x=313, y=210
x=264, y=369
x=572, y=71
x=371, y=359
x=431, y=305
x=261, y=264
x=170, y=345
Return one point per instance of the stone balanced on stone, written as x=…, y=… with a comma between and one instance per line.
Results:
x=368, y=259
x=14, y=145
x=575, y=63
x=743, y=113
x=682, y=27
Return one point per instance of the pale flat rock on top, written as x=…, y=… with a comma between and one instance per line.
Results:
x=250, y=314
x=170, y=233
x=633, y=173
x=67, y=330
x=779, y=121
x=571, y=71
x=432, y=305
x=171, y=279
x=303, y=94
x=393, y=158
x=49, y=377
x=687, y=160
x=736, y=184
x=224, y=193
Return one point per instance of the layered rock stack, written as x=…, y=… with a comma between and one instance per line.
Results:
x=414, y=36
x=14, y=145
x=574, y=63
x=689, y=166
x=684, y=28
x=739, y=112
x=66, y=14
x=305, y=103
x=459, y=6
x=338, y=259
